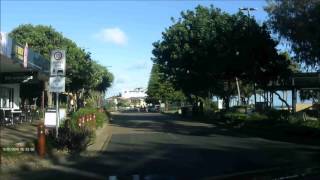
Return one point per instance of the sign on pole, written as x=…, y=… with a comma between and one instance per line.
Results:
x=57, y=84
x=57, y=81
x=58, y=63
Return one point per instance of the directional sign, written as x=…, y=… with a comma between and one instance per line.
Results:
x=58, y=63
x=57, y=84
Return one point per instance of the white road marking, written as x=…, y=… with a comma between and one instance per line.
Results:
x=135, y=177
x=112, y=177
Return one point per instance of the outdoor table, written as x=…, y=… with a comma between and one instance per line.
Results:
x=16, y=112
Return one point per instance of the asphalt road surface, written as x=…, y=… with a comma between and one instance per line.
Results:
x=155, y=146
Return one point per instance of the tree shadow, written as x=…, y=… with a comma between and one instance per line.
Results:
x=171, y=160
x=202, y=153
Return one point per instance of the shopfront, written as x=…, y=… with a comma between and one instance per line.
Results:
x=24, y=76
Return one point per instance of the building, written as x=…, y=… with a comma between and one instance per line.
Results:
x=135, y=93
x=24, y=75
x=135, y=97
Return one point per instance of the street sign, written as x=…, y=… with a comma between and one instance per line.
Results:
x=50, y=118
x=57, y=84
x=58, y=63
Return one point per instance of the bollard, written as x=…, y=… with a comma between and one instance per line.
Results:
x=94, y=116
x=41, y=140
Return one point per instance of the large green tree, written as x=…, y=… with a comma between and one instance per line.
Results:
x=206, y=49
x=82, y=72
x=298, y=22
x=160, y=89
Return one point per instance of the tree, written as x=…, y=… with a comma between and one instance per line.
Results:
x=206, y=49
x=159, y=89
x=81, y=71
x=310, y=94
x=298, y=22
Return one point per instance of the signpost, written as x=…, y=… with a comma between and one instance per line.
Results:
x=57, y=78
x=58, y=63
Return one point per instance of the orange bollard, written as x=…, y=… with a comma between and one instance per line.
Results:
x=41, y=140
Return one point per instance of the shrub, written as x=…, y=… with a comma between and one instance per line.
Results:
x=240, y=109
x=101, y=116
x=73, y=140
x=257, y=117
x=236, y=116
x=282, y=115
x=209, y=105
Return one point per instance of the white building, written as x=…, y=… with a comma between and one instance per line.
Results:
x=136, y=97
x=135, y=93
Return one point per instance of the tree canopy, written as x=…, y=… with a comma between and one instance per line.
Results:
x=206, y=49
x=81, y=71
x=298, y=22
x=160, y=89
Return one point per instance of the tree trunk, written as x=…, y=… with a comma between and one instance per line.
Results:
x=239, y=95
x=227, y=102
x=255, y=95
x=281, y=99
x=201, y=108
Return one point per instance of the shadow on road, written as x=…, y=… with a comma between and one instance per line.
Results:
x=200, y=151
x=155, y=122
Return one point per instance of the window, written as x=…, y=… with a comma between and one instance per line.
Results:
x=6, y=97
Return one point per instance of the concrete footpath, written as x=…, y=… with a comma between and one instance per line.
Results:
x=26, y=132
x=103, y=136
x=58, y=160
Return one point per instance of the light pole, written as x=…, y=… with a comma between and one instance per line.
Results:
x=248, y=10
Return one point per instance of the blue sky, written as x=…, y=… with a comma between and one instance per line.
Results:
x=118, y=34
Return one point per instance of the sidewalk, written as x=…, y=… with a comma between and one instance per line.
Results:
x=26, y=132
x=103, y=136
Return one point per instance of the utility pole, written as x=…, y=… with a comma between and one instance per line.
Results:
x=247, y=9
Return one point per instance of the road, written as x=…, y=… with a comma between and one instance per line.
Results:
x=155, y=146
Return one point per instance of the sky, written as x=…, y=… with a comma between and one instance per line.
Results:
x=119, y=34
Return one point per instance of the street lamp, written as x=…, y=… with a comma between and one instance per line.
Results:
x=248, y=9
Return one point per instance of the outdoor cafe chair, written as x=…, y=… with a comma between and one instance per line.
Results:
x=16, y=115
x=5, y=119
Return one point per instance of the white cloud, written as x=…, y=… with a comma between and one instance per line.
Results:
x=113, y=35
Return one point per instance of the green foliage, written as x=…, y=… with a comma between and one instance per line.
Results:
x=257, y=117
x=310, y=95
x=74, y=138
x=209, y=105
x=281, y=115
x=236, y=116
x=298, y=21
x=94, y=99
x=160, y=89
x=74, y=141
x=205, y=49
x=81, y=70
x=101, y=117
x=123, y=103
